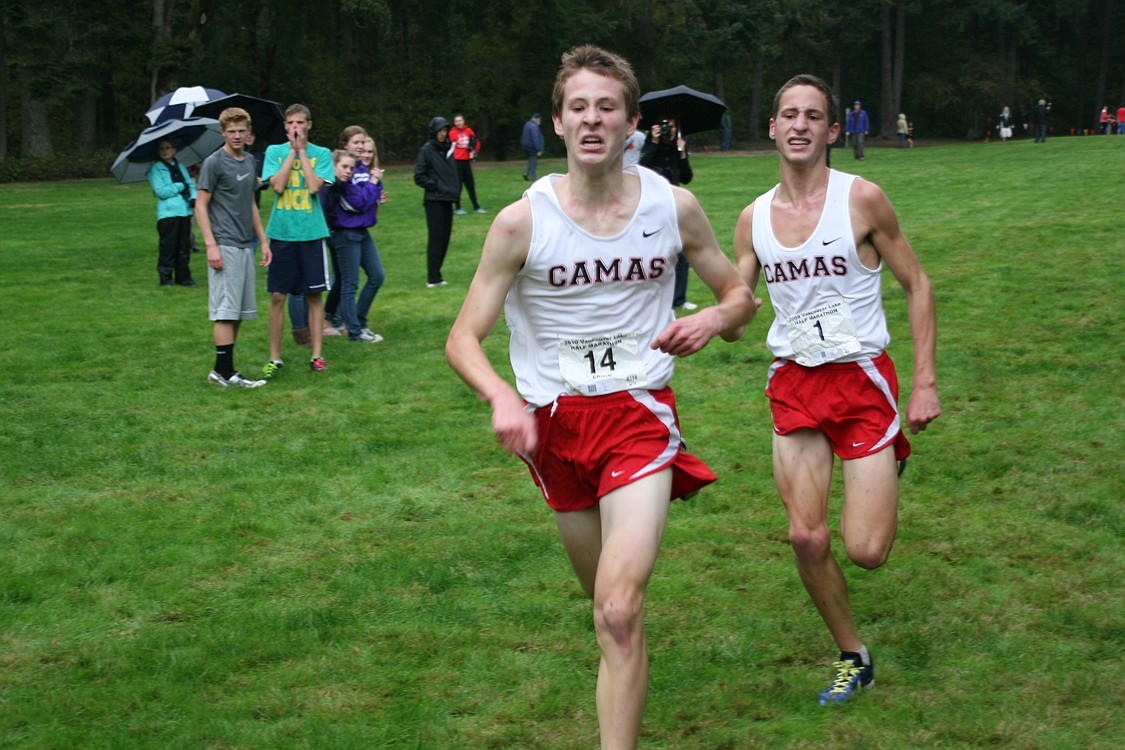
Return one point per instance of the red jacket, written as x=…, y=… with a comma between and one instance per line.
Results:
x=465, y=143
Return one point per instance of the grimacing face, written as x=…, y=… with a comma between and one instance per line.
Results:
x=593, y=120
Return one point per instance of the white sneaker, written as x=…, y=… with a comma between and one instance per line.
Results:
x=369, y=336
x=431, y=285
x=236, y=379
x=689, y=306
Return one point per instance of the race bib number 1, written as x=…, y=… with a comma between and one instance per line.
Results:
x=824, y=334
x=602, y=364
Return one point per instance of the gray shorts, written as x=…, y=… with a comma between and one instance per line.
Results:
x=232, y=293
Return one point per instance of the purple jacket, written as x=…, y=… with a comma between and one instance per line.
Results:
x=354, y=204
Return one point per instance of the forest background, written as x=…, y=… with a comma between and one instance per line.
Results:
x=77, y=77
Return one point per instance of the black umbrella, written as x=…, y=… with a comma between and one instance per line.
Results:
x=694, y=111
x=268, y=119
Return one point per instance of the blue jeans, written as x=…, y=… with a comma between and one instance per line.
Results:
x=355, y=250
x=332, y=301
x=298, y=312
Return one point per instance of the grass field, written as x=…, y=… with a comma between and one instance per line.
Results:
x=348, y=560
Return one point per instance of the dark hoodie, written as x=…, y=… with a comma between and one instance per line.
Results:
x=436, y=171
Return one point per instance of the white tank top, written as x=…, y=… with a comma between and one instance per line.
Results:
x=584, y=309
x=828, y=306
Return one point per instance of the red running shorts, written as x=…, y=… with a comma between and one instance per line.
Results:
x=854, y=403
x=590, y=446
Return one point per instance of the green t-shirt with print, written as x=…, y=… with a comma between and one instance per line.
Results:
x=296, y=214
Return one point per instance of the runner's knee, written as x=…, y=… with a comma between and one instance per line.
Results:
x=809, y=543
x=619, y=616
x=870, y=554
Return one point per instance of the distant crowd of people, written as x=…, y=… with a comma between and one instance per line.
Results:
x=1110, y=122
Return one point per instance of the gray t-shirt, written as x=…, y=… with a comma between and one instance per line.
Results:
x=231, y=184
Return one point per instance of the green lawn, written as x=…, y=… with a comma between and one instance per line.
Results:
x=348, y=560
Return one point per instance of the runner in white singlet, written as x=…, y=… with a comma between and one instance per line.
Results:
x=821, y=240
x=585, y=262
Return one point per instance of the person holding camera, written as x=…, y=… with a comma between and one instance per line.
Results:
x=175, y=201
x=665, y=152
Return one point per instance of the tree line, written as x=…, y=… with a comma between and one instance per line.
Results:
x=77, y=77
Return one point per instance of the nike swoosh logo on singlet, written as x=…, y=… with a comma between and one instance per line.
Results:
x=646, y=235
x=829, y=242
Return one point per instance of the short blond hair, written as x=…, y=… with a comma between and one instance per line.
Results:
x=233, y=115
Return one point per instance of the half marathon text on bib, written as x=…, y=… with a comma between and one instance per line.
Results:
x=599, y=365
x=823, y=334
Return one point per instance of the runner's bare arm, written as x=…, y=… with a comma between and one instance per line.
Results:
x=872, y=211
x=735, y=304
x=745, y=257
x=505, y=250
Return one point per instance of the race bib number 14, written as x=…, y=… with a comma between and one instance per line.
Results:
x=602, y=364
x=823, y=334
